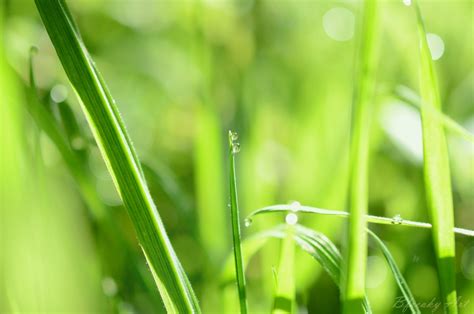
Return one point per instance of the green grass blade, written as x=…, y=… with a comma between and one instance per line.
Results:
x=396, y=221
x=118, y=153
x=234, y=148
x=437, y=173
x=356, y=242
x=326, y=253
x=409, y=96
x=397, y=274
x=284, y=299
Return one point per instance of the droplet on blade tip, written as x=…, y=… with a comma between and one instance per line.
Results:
x=235, y=148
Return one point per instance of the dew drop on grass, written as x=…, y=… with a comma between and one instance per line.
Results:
x=407, y=2
x=291, y=219
x=248, y=222
x=397, y=219
x=234, y=136
x=295, y=206
x=235, y=148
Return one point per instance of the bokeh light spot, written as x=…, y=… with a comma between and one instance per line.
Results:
x=436, y=45
x=339, y=24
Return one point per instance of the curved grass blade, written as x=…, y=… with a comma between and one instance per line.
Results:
x=353, y=289
x=437, y=172
x=397, y=220
x=397, y=274
x=234, y=148
x=284, y=299
x=410, y=97
x=316, y=244
x=119, y=155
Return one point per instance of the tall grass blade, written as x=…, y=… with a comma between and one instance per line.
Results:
x=356, y=240
x=409, y=96
x=284, y=299
x=397, y=274
x=119, y=155
x=437, y=172
x=234, y=148
x=397, y=220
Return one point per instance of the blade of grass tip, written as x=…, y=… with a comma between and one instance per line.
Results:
x=437, y=173
x=118, y=153
x=234, y=148
x=353, y=289
x=397, y=274
x=409, y=96
x=284, y=299
x=396, y=220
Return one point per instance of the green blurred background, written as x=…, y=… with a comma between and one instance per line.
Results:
x=183, y=73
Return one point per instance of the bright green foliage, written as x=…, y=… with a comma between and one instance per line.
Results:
x=119, y=155
x=437, y=173
x=356, y=239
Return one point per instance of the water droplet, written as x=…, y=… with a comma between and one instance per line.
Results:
x=228, y=205
x=295, y=206
x=234, y=136
x=291, y=219
x=247, y=222
x=397, y=219
x=235, y=148
x=407, y=2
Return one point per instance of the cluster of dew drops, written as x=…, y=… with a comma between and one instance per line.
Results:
x=233, y=137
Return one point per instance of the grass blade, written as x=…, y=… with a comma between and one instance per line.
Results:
x=397, y=220
x=397, y=274
x=284, y=299
x=316, y=244
x=437, y=172
x=119, y=155
x=234, y=148
x=409, y=96
x=326, y=253
x=356, y=242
